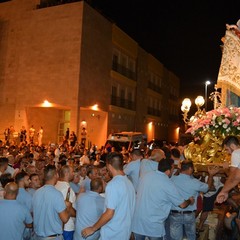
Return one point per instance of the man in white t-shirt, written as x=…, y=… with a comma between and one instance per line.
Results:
x=232, y=145
x=65, y=176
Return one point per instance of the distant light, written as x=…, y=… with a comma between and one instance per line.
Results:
x=95, y=107
x=46, y=103
x=150, y=127
x=207, y=82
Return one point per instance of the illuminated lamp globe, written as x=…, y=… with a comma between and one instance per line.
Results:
x=199, y=101
x=184, y=109
x=186, y=103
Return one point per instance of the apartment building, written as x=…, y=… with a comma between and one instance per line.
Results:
x=67, y=66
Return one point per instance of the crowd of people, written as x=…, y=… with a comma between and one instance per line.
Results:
x=69, y=192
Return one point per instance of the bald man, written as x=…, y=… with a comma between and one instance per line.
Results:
x=14, y=216
x=151, y=164
x=89, y=206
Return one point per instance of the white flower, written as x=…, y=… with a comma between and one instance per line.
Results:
x=225, y=125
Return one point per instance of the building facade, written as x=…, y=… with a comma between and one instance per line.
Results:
x=67, y=66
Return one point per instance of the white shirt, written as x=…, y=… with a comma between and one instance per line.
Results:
x=63, y=188
x=235, y=158
x=84, y=160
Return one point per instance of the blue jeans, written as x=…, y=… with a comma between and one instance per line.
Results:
x=180, y=222
x=68, y=235
x=142, y=237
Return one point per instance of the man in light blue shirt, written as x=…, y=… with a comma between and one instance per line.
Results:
x=155, y=196
x=187, y=185
x=34, y=183
x=89, y=207
x=151, y=164
x=132, y=169
x=49, y=209
x=14, y=216
x=24, y=197
x=115, y=222
x=92, y=173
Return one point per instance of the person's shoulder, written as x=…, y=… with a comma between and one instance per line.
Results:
x=237, y=151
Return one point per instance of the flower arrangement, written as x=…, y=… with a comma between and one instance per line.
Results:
x=209, y=132
x=219, y=122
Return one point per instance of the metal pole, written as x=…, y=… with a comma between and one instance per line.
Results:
x=206, y=96
x=206, y=85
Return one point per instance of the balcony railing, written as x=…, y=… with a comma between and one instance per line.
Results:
x=120, y=102
x=154, y=87
x=173, y=97
x=123, y=70
x=154, y=112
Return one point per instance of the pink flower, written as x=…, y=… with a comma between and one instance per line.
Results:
x=227, y=121
x=235, y=123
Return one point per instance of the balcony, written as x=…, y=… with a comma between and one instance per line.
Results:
x=124, y=71
x=173, y=97
x=154, y=87
x=154, y=112
x=120, y=102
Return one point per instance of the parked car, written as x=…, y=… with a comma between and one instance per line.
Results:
x=129, y=140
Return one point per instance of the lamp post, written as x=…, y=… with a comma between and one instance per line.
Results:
x=206, y=86
x=186, y=104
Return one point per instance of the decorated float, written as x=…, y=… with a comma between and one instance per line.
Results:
x=208, y=129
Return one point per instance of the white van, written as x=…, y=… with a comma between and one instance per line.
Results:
x=130, y=140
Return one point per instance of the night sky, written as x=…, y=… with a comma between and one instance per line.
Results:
x=185, y=36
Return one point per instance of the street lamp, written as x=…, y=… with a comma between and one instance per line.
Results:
x=206, y=86
x=186, y=104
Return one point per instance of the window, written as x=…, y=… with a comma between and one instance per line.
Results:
x=122, y=94
x=114, y=91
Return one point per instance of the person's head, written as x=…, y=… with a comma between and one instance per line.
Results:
x=113, y=149
x=83, y=171
x=31, y=169
x=66, y=173
x=114, y=162
x=96, y=185
x=157, y=155
x=76, y=177
x=22, y=179
x=11, y=159
x=166, y=151
x=187, y=167
x=35, y=182
x=231, y=143
x=6, y=178
x=175, y=153
x=93, y=172
x=136, y=154
x=166, y=166
x=11, y=191
x=3, y=164
x=40, y=163
x=50, y=174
